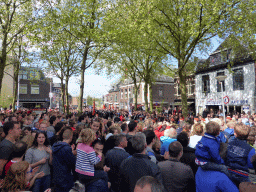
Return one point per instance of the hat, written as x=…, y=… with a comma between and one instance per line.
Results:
x=172, y=119
x=202, y=119
x=229, y=118
x=196, y=119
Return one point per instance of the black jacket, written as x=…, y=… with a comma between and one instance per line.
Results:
x=188, y=158
x=135, y=167
x=113, y=160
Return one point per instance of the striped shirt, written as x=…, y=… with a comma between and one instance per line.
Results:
x=86, y=159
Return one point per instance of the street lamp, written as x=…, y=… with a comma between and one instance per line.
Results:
x=221, y=79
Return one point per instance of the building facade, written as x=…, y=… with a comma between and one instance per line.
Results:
x=34, y=88
x=238, y=88
x=123, y=94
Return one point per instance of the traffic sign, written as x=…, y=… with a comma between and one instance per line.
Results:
x=226, y=99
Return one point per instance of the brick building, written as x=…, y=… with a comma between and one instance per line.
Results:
x=123, y=93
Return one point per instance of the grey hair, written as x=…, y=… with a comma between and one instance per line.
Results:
x=155, y=185
x=139, y=142
x=173, y=133
x=119, y=138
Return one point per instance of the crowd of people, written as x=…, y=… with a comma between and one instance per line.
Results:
x=117, y=151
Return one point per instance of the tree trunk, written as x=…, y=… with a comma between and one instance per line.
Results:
x=3, y=60
x=146, y=96
x=182, y=77
x=66, y=93
x=150, y=96
x=62, y=95
x=135, y=93
x=81, y=94
x=16, y=81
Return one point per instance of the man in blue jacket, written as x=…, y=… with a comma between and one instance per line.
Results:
x=63, y=162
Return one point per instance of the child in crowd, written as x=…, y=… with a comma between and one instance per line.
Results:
x=239, y=154
x=86, y=156
x=208, y=149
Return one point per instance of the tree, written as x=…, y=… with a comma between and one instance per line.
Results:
x=15, y=17
x=82, y=19
x=62, y=53
x=181, y=27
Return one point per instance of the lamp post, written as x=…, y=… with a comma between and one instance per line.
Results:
x=221, y=80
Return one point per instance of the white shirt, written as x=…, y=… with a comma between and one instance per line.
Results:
x=194, y=140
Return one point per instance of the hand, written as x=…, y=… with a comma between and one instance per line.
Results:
x=48, y=190
x=43, y=161
x=40, y=175
x=73, y=147
x=1, y=183
x=34, y=171
x=166, y=155
x=48, y=150
x=106, y=169
x=100, y=154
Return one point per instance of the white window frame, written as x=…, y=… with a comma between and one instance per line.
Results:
x=23, y=87
x=34, y=89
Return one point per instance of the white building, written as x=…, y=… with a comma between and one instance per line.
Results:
x=238, y=88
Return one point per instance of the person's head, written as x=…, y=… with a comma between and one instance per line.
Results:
x=121, y=141
x=2, y=134
x=53, y=120
x=212, y=128
x=148, y=184
x=251, y=136
x=231, y=124
x=139, y=142
x=198, y=129
x=58, y=127
x=66, y=134
x=98, y=145
x=175, y=150
x=241, y=131
x=12, y=118
x=183, y=139
x=172, y=133
x=36, y=125
x=87, y=136
x=124, y=128
x=20, y=149
x=27, y=131
x=114, y=130
x=96, y=124
x=17, y=177
x=12, y=129
x=150, y=136
x=82, y=118
x=41, y=139
x=109, y=123
x=43, y=126
x=132, y=126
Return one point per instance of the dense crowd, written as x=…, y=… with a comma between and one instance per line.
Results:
x=119, y=151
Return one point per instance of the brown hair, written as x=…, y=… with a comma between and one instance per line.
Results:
x=213, y=128
x=198, y=129
x=242, y=131
x=16, y=177
x=86, y=136
x=28, y=139
x=251, y=136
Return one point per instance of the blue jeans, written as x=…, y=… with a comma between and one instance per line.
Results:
x=42, y=184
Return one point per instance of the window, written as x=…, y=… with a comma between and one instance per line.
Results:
x=125, y=92
x=161, y=92
x=33, y=74
x=23, y=89
x=220, y=82
x=238, y=79
x=121, y=93
x=35, y=89
x=23, y=75
x=206, y=84
x=116, y=98
x=130, y=93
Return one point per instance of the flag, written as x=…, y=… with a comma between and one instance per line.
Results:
x=93, y=113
